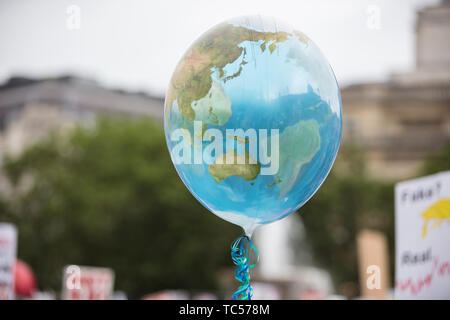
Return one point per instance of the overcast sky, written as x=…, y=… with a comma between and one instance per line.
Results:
x=135, y=44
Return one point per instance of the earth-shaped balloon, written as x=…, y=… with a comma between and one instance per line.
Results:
x=253, y=120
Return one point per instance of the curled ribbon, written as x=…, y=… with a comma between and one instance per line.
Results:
x=241, y=255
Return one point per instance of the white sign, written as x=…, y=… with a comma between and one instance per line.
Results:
x=87, y=283
x=8, y=249
x=422, y=222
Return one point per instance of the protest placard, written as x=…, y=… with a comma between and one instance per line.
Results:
x=8, y=249
x=87, y=283
x=422, y=214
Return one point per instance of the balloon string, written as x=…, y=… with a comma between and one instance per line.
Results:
x=241, y=255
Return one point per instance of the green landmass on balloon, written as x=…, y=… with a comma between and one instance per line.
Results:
x=299, y=143
x=243, y=166
x=214, y=108
x=192, y=78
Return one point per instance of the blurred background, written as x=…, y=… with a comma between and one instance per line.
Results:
x=86, y=176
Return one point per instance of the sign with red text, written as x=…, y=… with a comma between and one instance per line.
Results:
x=87, y=283
x=8, y=249
x=422, y=227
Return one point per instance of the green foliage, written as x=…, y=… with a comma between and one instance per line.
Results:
x=437, y=162
x=109, y=196
x=347, y=202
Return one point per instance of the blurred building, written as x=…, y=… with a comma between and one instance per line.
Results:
x=402, y=121
x=31, y=109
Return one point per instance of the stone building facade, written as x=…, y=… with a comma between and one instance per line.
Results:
x=30, y=109
x=402, y=121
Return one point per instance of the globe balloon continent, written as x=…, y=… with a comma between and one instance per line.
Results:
x=253, y=120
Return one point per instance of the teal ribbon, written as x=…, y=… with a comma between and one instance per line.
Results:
x=241, y=251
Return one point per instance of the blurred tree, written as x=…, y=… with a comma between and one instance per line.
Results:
x=109, y=196
x=347, y=202
x=437, y=162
